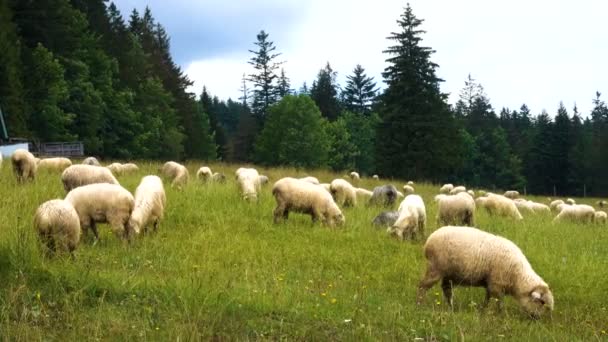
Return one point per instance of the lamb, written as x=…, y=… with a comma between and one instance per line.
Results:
x=600, y=217
x=512, y=194
x=58, y=226
x=456, y=210
x=384, y=195
x=408, y=189
x=471, y=257
x=55, y=164
x=296, y=195
x=91, y=161
x=249, y=183
x=363, y=193
x=204, y=174
x=100, y=203
x=150, y=201
x=446, y=188
x=354, y=176
x=499, y=205
x=177, y=173
x=554, y=204
x=386, y=218
x=80, y=174
x=310, y=179
x=457, y=190
x=570, y=201
x=412, y=219
x=577, y=213
x=343, y=192
x=24, y=165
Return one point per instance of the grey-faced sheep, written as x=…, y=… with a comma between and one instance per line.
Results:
x=249, y=183
x=408, y=190
x=91, y=161
x=458, y=190
x=385, y=195
x=101, y=203
x=471, y=257
x=343, y=192
x=446, y=188
x=177, y=173
x=512, y=194
x=295, y=195
x=150, y=201
x=600, y=217
x=386, y=218
x=412, y=219
x=499, y=205
x=577, y=213
x=58, y=226
x=24, y=165
x=80, y=174
x=456, y=210
x=204, y=173
x=54, y=164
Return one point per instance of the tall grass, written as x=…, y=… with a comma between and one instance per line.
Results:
x=218, y=268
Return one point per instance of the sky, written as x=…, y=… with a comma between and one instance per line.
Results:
x=536, y=52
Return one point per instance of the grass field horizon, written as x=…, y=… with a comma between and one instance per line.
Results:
x=218, y=268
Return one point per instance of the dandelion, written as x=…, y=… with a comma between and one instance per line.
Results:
x=438, y=302
x=323, y=294
x=334, y=300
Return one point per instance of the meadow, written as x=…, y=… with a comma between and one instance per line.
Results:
x=219, y=269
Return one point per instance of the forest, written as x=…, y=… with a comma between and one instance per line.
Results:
x=79, y=70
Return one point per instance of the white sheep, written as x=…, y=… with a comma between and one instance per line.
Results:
x=116, y=168
x=376, y=177
x=264, y=179
x=408, y=190
x=499, y=205
x=600, y=204
x=91, y=161
x=129, y=167
x=471, y=192
x=54, y=164
x=343, y=192
x=177, y=173
x=530, y=206
x=101, y=203
x=354, y=176
x=363, y=194
x=204, y=173
x=554, y=204
x=600, y=217
x=327, y=187
x=310, y=179
x=296, y=195
x=512, y=194
x=249, y=183
x=412, y=219
x=570, y=201
x=577, y=213
x=24, y=165
x=82, y=174
x=456, y=209
x=446, y=188
x=58, y=226
x=150, y=201
x=411, y=183
x=471, y=257
x=458, y=189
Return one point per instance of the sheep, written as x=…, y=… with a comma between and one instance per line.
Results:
x=177, y=173
x=386, y=218
x=327, y=187
x=408, y=189
x=80, y=174
x=570, y=201
x=218, y=177
x=457, y=190
x=600, y=217
x=363, y=193
x=24, y=165
x=376, y=177
x=264, y=180
x=471, y=257
x=512, y=194
x=411, y=183
x=412, y=219
x=55, y=164
x=91, y=161
x=296, y=195
x=600, y=204
x=116, y=168
x=499, y=205
x=343, y=192
x=100, y=203
x=438, y=197
x=354, y=176
x=446, y=188
x=481, y=193
x=249, y=183
x=150, y=201
x=530, y=206
x=384, y=195
x=204, y=174
x=456, y=210
x=400, y=194
x=471, y=192
x=129, y=167
x=310, y=179
x=553, y=205
x=577, y=213
x=58, y=226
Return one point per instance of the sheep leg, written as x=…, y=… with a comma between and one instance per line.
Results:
x=95, y=233
x=446, y=286
x=493, y=293
x=156, y=223
x=431, y=277
x=279, y=213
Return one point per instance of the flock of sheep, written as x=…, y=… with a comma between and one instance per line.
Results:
x=456, y=253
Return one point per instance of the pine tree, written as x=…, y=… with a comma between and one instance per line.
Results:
x=265, y=90
x=360, y=92
x=283, y=88
x=324, y=92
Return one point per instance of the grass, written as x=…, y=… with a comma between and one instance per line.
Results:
x=220, y=269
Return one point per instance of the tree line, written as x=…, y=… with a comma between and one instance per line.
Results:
x=78, y=70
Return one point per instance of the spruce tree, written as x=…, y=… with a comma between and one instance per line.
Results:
x=283, y=88
x=324, y=92
x=265, y=90
x=360, y=92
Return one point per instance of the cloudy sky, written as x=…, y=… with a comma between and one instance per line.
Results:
x=535, y=52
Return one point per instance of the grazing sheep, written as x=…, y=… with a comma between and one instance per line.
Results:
x=100, y=203
x=264, y=179
x=384, y=195
x=446, y=188
x=327, y=187
x=408, y=190
x=438, y=198
x=600, y=204
x=24, y=165
x=400, y=194
x=554, y=204
x=354, y=176
x=204, y=173
x=386, y=218
x=80, y=174
x=296, y=195
x=412, y=219
x=376, y=177
x=55, y=164
x=471, y=257
x=310, y=179
x=343, y=192
x=471, y=192
x=411, y=183
x=116, y=168
x=219, y=178
x=577, y=213
x=129, y=167
x=364, y=194
x=512, y=194
x=570, y=201
x=58, y=226
x=177, y=173
x=530, y=206
x=150, y=201
x=458, y=190
x=499, y=205
x=456, y=210
x=600, y=217
x=91, y=161
x=249, y=183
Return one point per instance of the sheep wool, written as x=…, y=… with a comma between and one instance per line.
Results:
x=150, y=201
x=576, y=213
x=600, y=217
x=385, y=196
x=446, y=188
x=177, y=173
x=554, y=204
x=24, y=165
x=458, y=189
x=91, y=161
x=512, y=194
x=408, y=189
x=204, y=173
x=58, y=226
x=81, y=174
x=54, y=164
x=296, y=195
x=500, y=206
x=116, y=168
x=343, y=192
x=376, y=177
x=310, y=179
x=363, y=193
x=570, y=201
x=249, y=183
x=412, y=219
x=218, y=177
x=456, y=210
x=385, y=219
x=129, y=167
x=471, y=257
x=354, y=176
